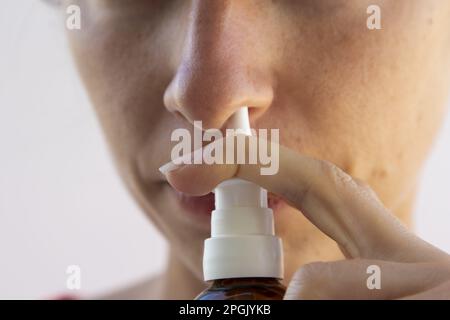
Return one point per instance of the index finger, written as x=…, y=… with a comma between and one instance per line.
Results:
x=342, y=208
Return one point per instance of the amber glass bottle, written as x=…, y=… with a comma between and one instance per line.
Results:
x=244, y=289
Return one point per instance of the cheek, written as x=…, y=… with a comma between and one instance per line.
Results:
x=357, y=95
x=125, y=80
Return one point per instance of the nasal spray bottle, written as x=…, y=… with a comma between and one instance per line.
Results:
x=243, y=259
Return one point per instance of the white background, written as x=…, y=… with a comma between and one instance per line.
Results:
x=61, y=201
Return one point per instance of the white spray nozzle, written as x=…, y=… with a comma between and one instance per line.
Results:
x=240, y=121
x=239, y=193
x=243, y=242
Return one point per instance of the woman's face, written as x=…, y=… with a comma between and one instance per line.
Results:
x=368, y=100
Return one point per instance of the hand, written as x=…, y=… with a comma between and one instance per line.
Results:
x=349, y=212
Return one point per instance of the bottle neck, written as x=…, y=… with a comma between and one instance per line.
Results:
x=245, y=282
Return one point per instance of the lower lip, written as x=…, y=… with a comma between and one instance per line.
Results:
x=204, y=205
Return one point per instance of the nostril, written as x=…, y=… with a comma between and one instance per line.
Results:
x=255, y=112
x=178, y=115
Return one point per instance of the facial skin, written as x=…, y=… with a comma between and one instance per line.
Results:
x=370, y=101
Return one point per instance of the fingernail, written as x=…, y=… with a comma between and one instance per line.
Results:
x=169, y=167
x=177, y=163
x=195, y=157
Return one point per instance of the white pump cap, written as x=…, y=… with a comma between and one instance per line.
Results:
x=243, y=242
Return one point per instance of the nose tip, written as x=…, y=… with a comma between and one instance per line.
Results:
x=211, y=95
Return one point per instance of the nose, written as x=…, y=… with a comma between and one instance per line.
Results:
x=223, y=65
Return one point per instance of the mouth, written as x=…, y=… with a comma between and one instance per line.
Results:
x=198, y=205
x=204, y=205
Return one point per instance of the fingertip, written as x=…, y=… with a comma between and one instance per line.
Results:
x=199, y=180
